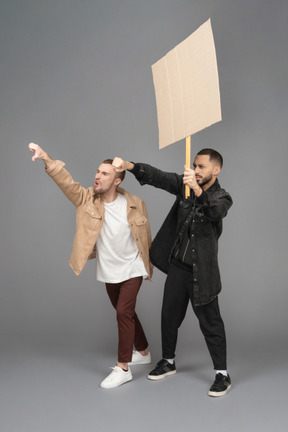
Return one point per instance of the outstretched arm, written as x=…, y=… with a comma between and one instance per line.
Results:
x=147, y=174
x=39, y=153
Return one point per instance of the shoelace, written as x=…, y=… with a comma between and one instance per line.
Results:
x=219, y=379
x=162, y=364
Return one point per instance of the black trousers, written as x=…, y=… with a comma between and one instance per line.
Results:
x=177, y=293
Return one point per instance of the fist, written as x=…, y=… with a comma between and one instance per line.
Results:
x=121, y=165
x=189, y=178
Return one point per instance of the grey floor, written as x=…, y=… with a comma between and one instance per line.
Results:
x=54, y=386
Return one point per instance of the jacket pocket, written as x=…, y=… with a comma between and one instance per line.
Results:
x=141, y=220
x=204, y=228
x=91, y=217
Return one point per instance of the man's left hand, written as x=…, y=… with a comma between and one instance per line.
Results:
x=190, y=180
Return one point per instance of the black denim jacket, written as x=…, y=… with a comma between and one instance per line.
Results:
x=206, y=227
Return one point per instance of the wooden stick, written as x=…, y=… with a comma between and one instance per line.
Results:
x=188, y=162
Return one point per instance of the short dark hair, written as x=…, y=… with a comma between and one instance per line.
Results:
x=213, y=155
x=120, y=175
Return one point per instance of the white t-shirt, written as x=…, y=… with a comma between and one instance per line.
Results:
x=117, y=256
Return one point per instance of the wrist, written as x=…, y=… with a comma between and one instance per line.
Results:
x=47, y=160
x=197, y=191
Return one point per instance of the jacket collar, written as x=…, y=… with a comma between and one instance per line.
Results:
x=130, y=198
x=214, y=186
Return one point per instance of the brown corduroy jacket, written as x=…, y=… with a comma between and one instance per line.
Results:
x=90, y=217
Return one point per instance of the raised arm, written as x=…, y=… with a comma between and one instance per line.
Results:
x=76, y=193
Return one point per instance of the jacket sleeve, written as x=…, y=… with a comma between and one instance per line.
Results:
x=76, y=193
x=149, y=237
x=144, y=210
x=216, y=205
x=146, y=174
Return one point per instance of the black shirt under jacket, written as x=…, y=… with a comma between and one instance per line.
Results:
x=205, y=228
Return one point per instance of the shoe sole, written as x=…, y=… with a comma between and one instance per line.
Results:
x=118, y=385
x=159, y=377
x=217, y=394
x=139, y=363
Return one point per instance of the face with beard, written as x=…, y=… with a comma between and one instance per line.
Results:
x=205, y=170
x=105, y=179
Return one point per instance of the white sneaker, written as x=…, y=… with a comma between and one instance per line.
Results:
x=138, y=358
x=116, y=378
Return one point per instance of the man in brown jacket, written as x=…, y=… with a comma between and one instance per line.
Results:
x=112, y=226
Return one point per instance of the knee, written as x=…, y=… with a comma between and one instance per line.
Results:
x=124, y=314
x=170, y=318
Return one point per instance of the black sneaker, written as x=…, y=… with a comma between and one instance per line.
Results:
x=220, y=386
x=162, y=369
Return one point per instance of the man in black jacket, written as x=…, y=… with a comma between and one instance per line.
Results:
x=186, y=249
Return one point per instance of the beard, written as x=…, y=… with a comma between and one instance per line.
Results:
x=204, y=180
x=100, y=189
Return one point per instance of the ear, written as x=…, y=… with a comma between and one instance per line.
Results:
x=216, y=170
x=117, y=181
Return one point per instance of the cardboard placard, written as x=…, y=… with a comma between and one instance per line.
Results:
x=187, y=87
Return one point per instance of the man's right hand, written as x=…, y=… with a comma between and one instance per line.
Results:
x=121, y=165
x=39, y=153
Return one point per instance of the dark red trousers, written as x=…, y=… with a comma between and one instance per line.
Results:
x=130, y=332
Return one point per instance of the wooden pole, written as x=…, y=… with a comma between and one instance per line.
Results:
x=188, y=162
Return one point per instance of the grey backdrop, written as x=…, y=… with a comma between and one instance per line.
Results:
x=76, y=78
